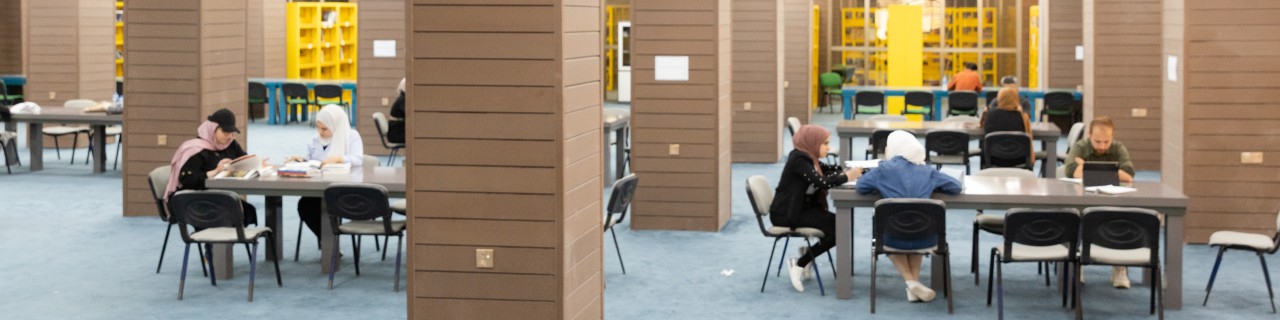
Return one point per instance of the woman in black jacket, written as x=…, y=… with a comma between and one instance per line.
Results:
x=198, y=160
x=800, y=201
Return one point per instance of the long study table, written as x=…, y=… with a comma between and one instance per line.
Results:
x=97, y=122
x=999, y=193
x=940, y=93
x=1046, y=132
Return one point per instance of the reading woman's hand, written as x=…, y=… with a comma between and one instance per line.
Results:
x=294, y=159
x=334, y=159
x=222, y=165
x=853, y=173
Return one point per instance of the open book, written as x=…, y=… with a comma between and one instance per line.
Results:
x=1110, y=189
x=244, y=168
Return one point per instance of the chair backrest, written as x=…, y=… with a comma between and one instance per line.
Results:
x=1009, y=149
x=760, y=194
x=358, y=202
x=1120, y=229
x=257, y=90
x=829, y=79
x=793, y=124
x=158, y=179
x=380, y=125
x=78, y=103
x=946, y=143
x=868, y=98
x=991, y=95
x=294, y=90
x=623, y=191
x=207, y=209
x=328, y=91
x=1059, y=101
x=879, y=139
x=962, y=100
x=918, y=98
x=1006, y=172
x=1041, y=227
x=907, y=218
x=965, y=119
x=888, y=118
x=1075, y=134
x=120, y=87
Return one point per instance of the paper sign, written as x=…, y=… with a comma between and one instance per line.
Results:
x=1173, y=68
x=1079, y=53
x=384, y=48
x=671, y=68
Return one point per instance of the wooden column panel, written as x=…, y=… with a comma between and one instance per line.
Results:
x=187, y=60
x=757, y=80
x=11, y=37
x=798, y=57
x=71, y=47
x=680, y=129
x=1122, y=72
x=505, y=100
x=1221, y=105
x=1064, y=33
x=380, y=20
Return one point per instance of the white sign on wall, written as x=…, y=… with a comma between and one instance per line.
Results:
x=1173, y=68
x=671, y=68
x=384, y=48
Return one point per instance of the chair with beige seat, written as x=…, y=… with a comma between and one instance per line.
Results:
x=1256, y=243
x=59, y=131
x=368, y=213
x=220, y=215
x=760, y=195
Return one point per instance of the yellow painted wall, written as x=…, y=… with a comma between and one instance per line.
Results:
x=906, y=52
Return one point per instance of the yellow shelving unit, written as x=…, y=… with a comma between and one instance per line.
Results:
x=322, y=40
x=119, y=38
x=962, y=32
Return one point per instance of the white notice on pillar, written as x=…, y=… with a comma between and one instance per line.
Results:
x=671, y=68
x=1173, y=68
x=384, y=48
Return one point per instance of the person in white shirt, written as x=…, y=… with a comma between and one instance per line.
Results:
x=335, y=142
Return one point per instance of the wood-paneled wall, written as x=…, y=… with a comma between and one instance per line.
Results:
x=1122, y=72
x=71, y=47
x=266, y=38
x=1065, y=32
x=757, y=80
x=187, y=60
x=798, y=30
x=688, y=190
x=10, y=37
x=380, y=20
x=523, y=78
x=1227, y=87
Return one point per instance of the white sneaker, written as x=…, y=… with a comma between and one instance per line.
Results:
x=1120, y=277
x=797, y=275
x=920, y=291
x=912, y=297
x=808, y=272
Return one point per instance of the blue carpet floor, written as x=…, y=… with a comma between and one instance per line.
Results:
x=66, y=253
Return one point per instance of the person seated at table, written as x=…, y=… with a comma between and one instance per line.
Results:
x=1101, y=146
x=197, y=160
x=905, y=175
x=395, y=124
x=335, y=142
x=967, y=80
x=800, y=200
x=1007, y=116
x=1010, y=82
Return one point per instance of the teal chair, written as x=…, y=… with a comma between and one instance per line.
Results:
x=257, y=96
x=296, y=95
x=868, y=102
x=830, y=83
x=918, y=102
x=6, y=97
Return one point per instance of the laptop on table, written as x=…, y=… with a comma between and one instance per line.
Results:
x=1101, y=173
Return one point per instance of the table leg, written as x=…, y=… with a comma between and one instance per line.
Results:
x=846, y=103
x=274, y=221
x=844, y=253
x=604, y=163
x=353, y=114
x=99, y=143
x=937, y=106
x=1051, y=157
x=223, y=260
x=35, y=144
x=1173, y=243
x=620, y=152
x=846, y=148
x=328, y=241
x=272, y=109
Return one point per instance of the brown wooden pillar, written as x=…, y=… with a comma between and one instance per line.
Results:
x=1122, y=73
x=380, y=21
x=186, y=60
x=71, y=51
x=798, y=82
x=681, y=128
x=757, y=80
x=504, y=107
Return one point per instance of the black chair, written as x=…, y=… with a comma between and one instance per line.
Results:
x=623, y=190
x=7, y=95
x=157, y=179
x=380, y=125
x=760, y=194
x=369, y=211
x=1256, y=243
x=875, y=148
x=120, y=88
x=327, y=94
x=295, y=94
x=868, y=102
x=918, y=102
x=993, y=223
x=1042, y=235
x=9, y=147
x=1127, y=237
x=991, y=96
x=1007, y=149
x=962, y=103
x=947, y=147
x=220, y=214
x=257, y=96
x=903, y=218
x=1059, y=103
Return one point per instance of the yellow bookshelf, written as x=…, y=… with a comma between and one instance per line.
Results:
x=962, y=32
x=322, y=41
x=119, y=38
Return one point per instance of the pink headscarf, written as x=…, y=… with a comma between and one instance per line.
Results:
x=206, y=140
x=810, y=139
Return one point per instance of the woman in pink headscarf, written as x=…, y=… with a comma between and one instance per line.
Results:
x=199, y=159
x=800, y=201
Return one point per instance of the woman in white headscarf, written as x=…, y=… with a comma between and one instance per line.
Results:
x=904, y=174
x=335, y=142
